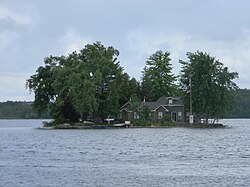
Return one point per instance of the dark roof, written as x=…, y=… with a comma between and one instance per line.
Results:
x=150, y=105
x=163, y=101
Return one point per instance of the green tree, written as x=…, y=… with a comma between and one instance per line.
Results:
x=19, y=110
x=134, y=89
x=158, y=79
x=80, y=85
x=102, y=64
x=51, y=86
x=124, y=91
x=41, y=84
x=211, y=83
x=145, y=113
x=241, y=106
x=129, y=88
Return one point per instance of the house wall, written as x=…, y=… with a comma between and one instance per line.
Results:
x=174, y=108
x=155, y=114
x=175, y=111
x=127, y=116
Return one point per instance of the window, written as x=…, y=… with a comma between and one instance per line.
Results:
x=180, y=115
x=160, y=115
x=136, y=116
x=170, y=101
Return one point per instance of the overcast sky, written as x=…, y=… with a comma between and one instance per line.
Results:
x=33, y=29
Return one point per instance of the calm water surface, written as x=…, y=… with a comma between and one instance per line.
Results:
x=124, y=157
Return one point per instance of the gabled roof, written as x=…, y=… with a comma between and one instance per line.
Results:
x=125, y=105
x=153, y=106
x=150, y=105
x=162, y=107
x=165, y=101
x=162, y=101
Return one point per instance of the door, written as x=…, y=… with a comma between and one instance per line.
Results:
x=174, y=116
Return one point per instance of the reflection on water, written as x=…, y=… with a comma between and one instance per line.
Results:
x=124, y=157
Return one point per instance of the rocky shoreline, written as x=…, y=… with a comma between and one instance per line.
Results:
x=203, y=125
x=123, y=125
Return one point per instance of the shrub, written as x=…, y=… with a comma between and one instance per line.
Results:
x=141, y=122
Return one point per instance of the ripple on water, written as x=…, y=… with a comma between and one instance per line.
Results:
x=124, y=157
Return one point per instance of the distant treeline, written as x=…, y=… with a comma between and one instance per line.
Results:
x=241, y=107
x=20, y=110
x=25, y=110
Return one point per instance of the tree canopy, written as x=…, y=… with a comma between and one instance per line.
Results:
x=210, y=83
x=80, y=85
x=241, y=104
x=91, y=84
x=20, y=110
x=157, y=77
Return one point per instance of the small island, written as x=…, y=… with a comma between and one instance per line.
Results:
x=89, y=89
x=90, y=125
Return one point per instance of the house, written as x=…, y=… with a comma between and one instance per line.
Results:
x=158, y=109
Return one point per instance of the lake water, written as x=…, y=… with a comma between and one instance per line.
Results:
x=124, y=157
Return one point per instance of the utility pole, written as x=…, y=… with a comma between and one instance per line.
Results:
x=191, y=117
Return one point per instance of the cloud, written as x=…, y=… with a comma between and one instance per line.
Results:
x=7, y=39
x=13, y=88
x=71, y=41
x=31, y=30
x=8, y=46
x=234, y=54
x=141, y=45
x=19, y=18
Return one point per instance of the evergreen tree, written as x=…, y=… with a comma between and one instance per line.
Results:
x=129, y=88
x=158, y=79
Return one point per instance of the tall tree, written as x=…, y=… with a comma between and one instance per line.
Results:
x=134, y=89
x=129, y=88
x=210, y=83
x=102, y=63
x=79, y=85
x=158, y=79
x=124, y=91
